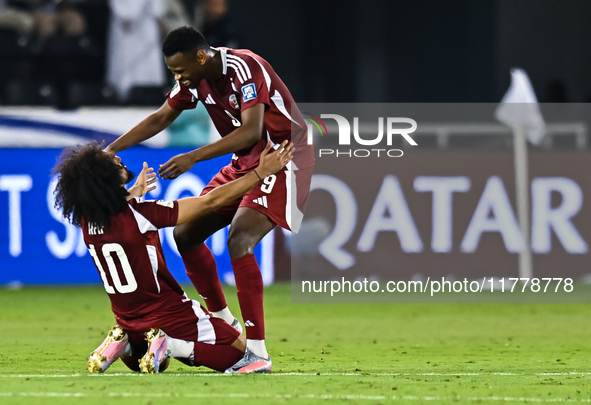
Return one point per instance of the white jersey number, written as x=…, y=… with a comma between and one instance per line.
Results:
x=269, y=182
x=107, y=252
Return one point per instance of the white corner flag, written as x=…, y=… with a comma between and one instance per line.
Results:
x=519, y=108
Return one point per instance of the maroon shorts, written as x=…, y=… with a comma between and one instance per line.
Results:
x=185, y=320
x=282, y=197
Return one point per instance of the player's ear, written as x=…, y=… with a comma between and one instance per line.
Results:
x=201, y=57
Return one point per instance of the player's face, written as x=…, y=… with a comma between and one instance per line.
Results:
x=186, y=68
x=126, y=174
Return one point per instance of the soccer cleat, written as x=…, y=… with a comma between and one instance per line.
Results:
x=155, y=359
x=250, y=363
x=114, y=346
x=236, y=325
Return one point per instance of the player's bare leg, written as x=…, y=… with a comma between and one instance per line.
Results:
x=200, y=264
x=246, y=231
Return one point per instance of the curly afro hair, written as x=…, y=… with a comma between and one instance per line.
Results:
x=89, y=185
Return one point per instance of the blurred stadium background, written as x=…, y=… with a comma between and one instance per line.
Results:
x=333, y=51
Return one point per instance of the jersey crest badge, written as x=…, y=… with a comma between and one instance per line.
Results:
x=249, y=92
x=234, y=101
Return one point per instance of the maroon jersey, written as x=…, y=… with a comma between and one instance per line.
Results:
x=247, y=80
x=130, y=260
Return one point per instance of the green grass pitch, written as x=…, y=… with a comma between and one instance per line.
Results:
x=322, y=354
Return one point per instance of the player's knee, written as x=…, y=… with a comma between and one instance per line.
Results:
x=239, y=244
x=182, y=240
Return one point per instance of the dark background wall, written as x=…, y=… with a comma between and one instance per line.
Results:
x=424, y=50
x=551, y=40
x=368, y=50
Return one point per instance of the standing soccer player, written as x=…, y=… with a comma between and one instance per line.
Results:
x=249, y=104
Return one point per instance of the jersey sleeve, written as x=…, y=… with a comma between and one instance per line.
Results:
x=180, y=98
x=252, y=80
x=154, y=214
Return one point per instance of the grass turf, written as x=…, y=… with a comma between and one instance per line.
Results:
x=322, y=353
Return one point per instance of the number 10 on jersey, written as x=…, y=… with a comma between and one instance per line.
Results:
x=107, y=252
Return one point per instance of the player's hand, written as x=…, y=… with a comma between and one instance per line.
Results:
x=271, y=163
x=176, y=166
x=145, y=182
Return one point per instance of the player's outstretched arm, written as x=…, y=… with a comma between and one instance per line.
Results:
x=147, y=128
x=144, y=183
x=242, y=137
x=270, y=163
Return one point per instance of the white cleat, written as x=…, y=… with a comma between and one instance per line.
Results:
x=250, y=363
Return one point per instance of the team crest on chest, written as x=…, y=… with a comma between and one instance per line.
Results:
x=234, y=101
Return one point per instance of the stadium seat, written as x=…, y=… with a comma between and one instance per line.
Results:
x=13, y=44
x=14, y=58
x=90, y=94
x=19, y=92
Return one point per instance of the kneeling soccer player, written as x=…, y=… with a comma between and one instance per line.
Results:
x=155, y=318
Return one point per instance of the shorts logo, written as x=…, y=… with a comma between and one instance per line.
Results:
x=249, y=92
x=261, y=201
x=234, y=101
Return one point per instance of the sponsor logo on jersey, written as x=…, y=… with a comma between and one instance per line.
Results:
x=209, y=99
x=234, y=101
x=249, y=92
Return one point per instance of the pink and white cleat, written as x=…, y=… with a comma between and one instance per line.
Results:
x=115, y=345
x=157, y=357
x=251, y=363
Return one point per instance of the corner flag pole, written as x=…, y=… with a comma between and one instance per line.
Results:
x=522, y=194
x=520, y=111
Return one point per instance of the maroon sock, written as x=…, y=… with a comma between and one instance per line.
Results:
x=217, y=357
x=202, y=270
x=132, y=362
x=249, y=285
